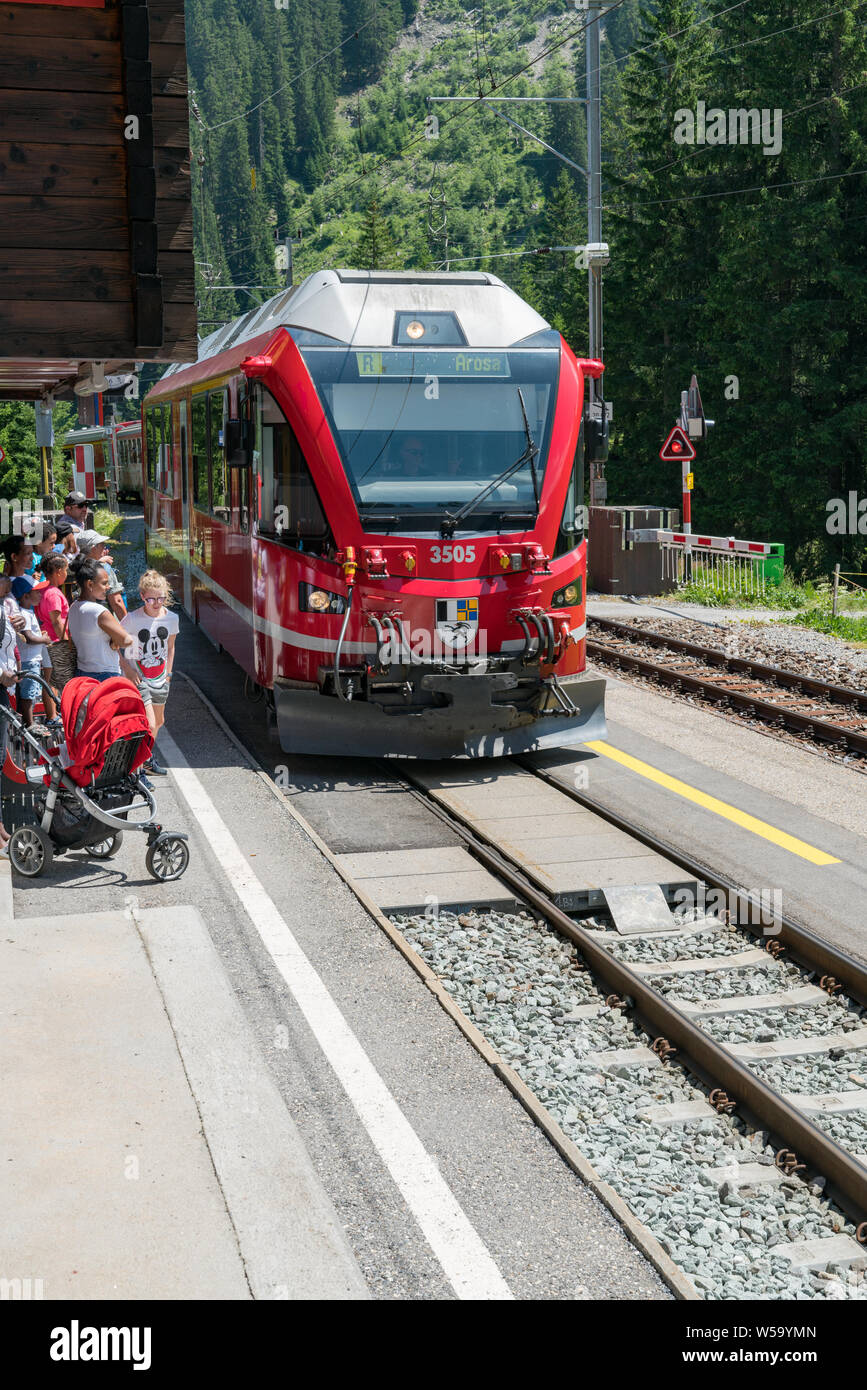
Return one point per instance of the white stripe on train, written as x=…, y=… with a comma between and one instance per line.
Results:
x=290, y=636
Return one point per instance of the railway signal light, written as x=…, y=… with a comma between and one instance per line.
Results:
x=677, y=447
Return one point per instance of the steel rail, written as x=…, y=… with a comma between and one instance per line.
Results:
x=662, y=1019
x=839, y=694
x=819, y=729
x=805, y=947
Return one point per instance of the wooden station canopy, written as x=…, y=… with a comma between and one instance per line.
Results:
x=96, y=240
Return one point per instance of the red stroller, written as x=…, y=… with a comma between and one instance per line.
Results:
x=94, y=786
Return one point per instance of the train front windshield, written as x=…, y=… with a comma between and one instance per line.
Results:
x=423, y=433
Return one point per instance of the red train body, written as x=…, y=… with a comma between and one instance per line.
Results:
x=369, y=492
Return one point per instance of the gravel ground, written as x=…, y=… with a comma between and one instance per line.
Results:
x=789, y=646
x=521, y=984
x=813, y=1075
x=128, y=550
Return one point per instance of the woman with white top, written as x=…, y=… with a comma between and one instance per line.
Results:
x=97, y=634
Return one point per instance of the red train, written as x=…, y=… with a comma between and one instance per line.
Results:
x=370, y=492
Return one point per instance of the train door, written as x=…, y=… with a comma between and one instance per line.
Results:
x=186, y=537
x=238, y=539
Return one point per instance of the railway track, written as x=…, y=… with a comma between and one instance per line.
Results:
x=763, y=1033
x=818, y=710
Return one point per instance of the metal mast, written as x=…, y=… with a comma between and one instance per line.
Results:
x=595, y=405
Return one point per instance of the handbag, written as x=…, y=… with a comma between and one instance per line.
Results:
x=64, y=659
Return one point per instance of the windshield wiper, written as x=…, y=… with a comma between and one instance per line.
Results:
x=450, y=524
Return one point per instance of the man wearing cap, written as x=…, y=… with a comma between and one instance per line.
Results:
x=75, y=509
x=94, y=546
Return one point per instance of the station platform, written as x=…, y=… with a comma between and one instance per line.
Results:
x=252, y=1038
x=760, y=810
x=147, y=1151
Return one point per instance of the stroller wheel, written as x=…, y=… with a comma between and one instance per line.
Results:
x=107, y=848
x=30, y=850
x=167, y=858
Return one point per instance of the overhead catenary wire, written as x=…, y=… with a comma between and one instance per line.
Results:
x=732, y=192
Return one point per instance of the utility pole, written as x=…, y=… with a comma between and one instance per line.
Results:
x=594, y=256
x=597, y=420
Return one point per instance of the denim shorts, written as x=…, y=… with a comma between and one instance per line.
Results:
x=97, y=675
x=28, y=688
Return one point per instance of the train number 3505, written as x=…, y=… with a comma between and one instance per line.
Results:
x=445, y=554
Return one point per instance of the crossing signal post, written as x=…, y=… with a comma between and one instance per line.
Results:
x=679, y=448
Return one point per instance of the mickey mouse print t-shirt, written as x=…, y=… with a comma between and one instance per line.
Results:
x=150, y=648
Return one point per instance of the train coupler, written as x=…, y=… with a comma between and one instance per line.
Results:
x=546, y=634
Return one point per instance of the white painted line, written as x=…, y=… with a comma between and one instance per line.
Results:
x=465, y=1260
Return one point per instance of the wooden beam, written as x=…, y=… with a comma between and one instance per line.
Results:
x=169, y=68
x=171, y=120
x=180, y=340
x=167, y=21
x=64, y=170
x=173, y=174
x=175, y=225
x=59, y=224
x=72, y=118
x=65, y=65
x=179, y=281
x=81, y=275
x=60, y=22
x=66, y=328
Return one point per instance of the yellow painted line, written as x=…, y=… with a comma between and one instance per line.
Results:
x=711, y=803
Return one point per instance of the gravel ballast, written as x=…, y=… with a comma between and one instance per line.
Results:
x=785, y=645
x=520, y=984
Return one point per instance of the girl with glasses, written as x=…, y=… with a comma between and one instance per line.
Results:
x=149, y=661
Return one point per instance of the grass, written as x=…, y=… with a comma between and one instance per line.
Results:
x=819, y=619
x=809, y=605
x=107, y=523
x=787, y=595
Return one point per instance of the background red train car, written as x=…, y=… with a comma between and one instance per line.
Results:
x=369, y=491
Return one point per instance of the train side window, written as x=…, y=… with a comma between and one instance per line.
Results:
x=182, y=410
x=220, y=503
x=289, y=507
x=572, y=525
x=167, y=483
x=152, y=412
x=200, y=452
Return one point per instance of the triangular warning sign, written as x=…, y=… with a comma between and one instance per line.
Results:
x=677, y=447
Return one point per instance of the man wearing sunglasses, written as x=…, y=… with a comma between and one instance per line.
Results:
x=75, y=510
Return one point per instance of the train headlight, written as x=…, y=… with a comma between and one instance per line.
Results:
x=567, y=597
x=315, y=600
x=415, y=329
